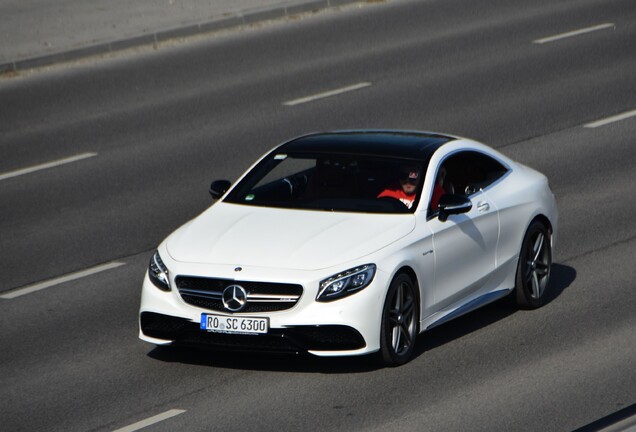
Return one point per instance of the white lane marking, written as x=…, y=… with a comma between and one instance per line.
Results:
x=47, y=165
x=327, y=94
x=150, y=421
x=574, y=33
x=612, y=119
x=60, y=280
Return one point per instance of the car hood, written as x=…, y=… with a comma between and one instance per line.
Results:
x=243, y=235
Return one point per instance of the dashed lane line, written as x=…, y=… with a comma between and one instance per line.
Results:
x=152, y=420
x=60, y=280
x=327, y=94
x=612, y=119
x=574, y=33
x=47, y=165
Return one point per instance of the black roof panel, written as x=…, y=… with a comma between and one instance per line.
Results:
x=383, y=143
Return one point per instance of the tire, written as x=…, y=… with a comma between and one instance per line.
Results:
x=533, y=269
x=399, y=326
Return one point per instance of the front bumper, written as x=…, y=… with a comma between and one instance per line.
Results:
x=296, y=339
x=348, y=326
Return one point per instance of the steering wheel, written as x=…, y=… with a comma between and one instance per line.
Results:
x=394, y=203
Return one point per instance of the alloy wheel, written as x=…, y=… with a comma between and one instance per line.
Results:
x=399, y=321
x=401, y=317
x=537, y=265
x=533, y=271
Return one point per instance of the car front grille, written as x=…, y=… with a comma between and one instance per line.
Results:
x=207, y=293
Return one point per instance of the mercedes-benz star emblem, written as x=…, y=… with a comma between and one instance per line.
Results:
x=234, y=298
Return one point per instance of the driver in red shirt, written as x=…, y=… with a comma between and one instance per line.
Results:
x=409, y=179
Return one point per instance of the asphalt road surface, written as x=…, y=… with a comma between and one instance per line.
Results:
x=133, y=142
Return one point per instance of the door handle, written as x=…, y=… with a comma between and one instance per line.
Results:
x=483, y=206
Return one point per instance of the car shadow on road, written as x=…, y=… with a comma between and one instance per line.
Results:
x=300, y=363
x=561, y=278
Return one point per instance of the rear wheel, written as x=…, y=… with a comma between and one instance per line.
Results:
x=533, y=270
x=399, y=322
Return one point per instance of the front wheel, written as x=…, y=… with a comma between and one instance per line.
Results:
x=399, y=322
x=533, y=270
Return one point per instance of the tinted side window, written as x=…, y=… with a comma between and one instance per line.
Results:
x=470, y=171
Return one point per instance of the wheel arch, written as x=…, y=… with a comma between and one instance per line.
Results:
x=545, y=221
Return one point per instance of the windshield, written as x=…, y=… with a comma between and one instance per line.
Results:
x=350, y=183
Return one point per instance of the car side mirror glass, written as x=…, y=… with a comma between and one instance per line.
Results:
x=219, y=187
x=451, y=204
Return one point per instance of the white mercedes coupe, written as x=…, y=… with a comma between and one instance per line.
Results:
x=352, y=242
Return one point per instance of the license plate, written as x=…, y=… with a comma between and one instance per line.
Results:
x=228, y=324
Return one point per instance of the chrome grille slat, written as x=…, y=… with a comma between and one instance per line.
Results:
x=271, y=298
x=199, y=293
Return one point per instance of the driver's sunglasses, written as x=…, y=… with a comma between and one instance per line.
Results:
x=406, y=179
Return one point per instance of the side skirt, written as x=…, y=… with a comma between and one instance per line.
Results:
x=454, y=312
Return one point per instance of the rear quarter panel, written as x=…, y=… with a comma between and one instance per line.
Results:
x=523, y=195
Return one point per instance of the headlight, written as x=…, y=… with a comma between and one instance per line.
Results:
x=158, y=273
x=345, y=283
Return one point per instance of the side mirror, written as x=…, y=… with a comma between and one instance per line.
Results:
x=451, y=204
x=219, y=187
